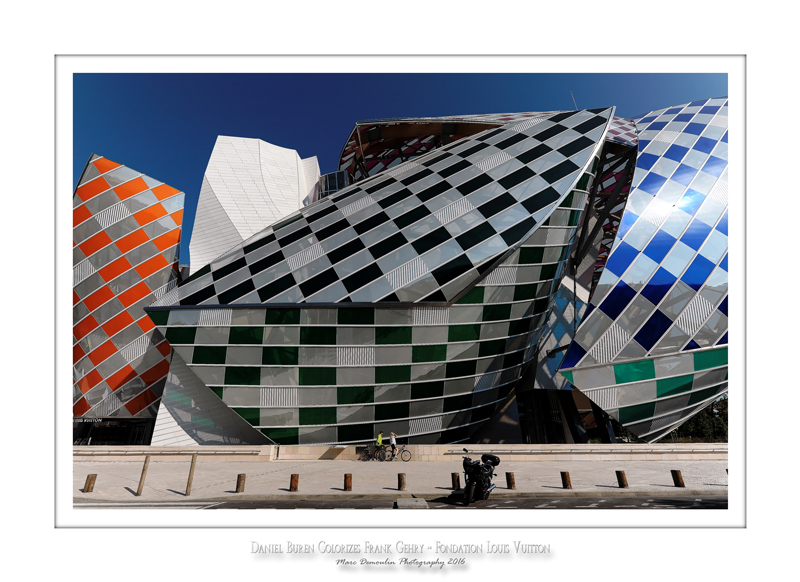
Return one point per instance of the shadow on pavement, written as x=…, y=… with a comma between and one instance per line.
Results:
x=454, y=500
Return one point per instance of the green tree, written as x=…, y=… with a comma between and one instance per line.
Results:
x=709, y=425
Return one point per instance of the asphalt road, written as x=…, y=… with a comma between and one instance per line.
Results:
x=445, y=502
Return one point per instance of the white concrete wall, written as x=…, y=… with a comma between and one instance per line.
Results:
x=248, y=185
x=310, y=176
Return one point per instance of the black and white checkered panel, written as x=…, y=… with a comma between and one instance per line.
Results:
x=420, y=232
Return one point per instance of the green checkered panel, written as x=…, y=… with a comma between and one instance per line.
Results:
x=432, y=374
x=658, y=392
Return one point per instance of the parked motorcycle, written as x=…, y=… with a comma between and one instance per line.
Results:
x=478, y=477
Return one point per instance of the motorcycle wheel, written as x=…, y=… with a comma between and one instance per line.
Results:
x=382, y=455
x=469, y=491
x=406, y=456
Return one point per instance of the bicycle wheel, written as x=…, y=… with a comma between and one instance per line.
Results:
x=405, y=455
x=381, y=455
x=364, y=456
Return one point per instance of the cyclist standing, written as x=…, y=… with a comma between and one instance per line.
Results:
x=393, y=442
x=378, y=444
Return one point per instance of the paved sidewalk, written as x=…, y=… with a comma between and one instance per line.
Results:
x=167, y=478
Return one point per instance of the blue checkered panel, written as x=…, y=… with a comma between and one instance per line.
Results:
x=664, y=289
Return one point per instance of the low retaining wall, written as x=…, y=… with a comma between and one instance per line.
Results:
x=616, y=452
x=134, y=453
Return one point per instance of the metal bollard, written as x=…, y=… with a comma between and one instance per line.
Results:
x=88, y=487
x=144, y=474
x=293, y=482
x=191, y=476
x=677, y=478
x=565, y=481
x=348, y=482
x=622, y=479
x=240, y=482
x=510, y=482
x=455, y=481
x=401, y=481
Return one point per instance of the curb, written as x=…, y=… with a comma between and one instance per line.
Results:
x=427, y=496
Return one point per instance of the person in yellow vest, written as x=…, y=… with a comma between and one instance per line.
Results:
x=378, y=445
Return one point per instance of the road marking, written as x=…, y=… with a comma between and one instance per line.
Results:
x=141, y=506
x=212, y=505
x=139, y=503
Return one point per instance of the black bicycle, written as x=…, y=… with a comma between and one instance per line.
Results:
x=369, y=453
x=403, y=454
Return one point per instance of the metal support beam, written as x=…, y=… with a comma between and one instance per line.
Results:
x=612, y=201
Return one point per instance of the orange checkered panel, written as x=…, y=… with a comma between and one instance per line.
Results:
x=126, y=241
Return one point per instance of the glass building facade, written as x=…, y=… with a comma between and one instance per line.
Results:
x=652, y=350
x=126, y=235
x=467, y=261
x=333, y=182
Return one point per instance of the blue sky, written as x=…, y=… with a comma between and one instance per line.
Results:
x=164, y=125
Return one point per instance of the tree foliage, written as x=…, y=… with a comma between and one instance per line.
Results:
x=709, y=425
